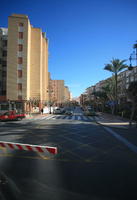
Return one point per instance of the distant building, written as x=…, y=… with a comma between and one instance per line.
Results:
x=124, y=80
x=57, y=94
x=66, y=94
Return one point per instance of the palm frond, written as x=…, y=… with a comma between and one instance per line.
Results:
x=109, y=67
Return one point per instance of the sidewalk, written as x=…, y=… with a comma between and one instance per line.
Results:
x=110, y=120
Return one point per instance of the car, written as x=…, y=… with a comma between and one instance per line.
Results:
x=69, y=112
x=11, y=115
x=20, y=116
x=4, y=116
x=57, y=111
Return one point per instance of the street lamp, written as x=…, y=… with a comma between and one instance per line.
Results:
x=133, y=56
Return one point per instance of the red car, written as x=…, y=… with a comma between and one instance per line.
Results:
x=11, y=115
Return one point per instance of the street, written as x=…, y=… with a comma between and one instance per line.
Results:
x=91, y=163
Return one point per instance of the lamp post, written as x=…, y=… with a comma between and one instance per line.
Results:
x=133, y=57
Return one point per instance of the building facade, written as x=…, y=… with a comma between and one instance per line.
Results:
x=27, y=60
x=66, y=94
x=3, y=62
x=124, y=79
x=57, y=94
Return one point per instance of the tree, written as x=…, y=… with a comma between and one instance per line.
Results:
x=101, y=98
x=109, y=89
x=115, y=67
x=132, y=95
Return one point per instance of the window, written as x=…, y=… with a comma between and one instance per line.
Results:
x=20, y=35
x=4, y=63
x=20, y=24
x=5, y=43
x=19, y=86
x=20, y=47
x=4, y=73
x=4, y=53
x=20, y=60
x=20, y=41
x=19, y=73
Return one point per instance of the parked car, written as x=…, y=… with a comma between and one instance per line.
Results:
x=20, y=116
x=11, y=115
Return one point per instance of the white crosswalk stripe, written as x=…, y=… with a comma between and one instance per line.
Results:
x=91, y=118
x=65, y=117
x=79, y=118
x=84, y=117
x=97, y=118
x=73, y=117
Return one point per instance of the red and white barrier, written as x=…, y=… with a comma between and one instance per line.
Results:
x=28, y=147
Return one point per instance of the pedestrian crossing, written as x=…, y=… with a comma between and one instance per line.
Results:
x=57, y=117
x=66, y=117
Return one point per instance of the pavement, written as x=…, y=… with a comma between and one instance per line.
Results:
x=119, y=126
x=113, y=121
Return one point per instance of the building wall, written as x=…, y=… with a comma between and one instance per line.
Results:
x=66, y=94
x=35, y=63
x=13, y=63
x=58, y=90
x=3, y=62
x=31, y=63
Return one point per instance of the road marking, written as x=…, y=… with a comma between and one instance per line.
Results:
x=67, y=117
x=91, y=118
x=85, y=118
x=73, y=117
x=79, y=118
x=97, y=118
x=131, y=146
x=49, y=117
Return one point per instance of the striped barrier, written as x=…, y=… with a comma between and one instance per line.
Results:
x=28, y=147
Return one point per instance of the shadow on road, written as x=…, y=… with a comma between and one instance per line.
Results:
x=91, y=164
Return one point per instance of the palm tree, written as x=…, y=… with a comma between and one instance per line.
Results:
x=109, y=89
x=135, y=47
x=115, y=67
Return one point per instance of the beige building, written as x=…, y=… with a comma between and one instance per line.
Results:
x=124, y=79
x=27, y=60
x=57, y=93
x=3, y=62
x=66, y=94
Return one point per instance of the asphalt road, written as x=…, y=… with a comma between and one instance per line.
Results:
x=90, y=164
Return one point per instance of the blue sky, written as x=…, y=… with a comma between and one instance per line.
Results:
x=84, y=35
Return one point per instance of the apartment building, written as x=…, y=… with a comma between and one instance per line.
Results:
x=124, y=80
x=27, y=60
x=3, y=62
x=57, y=93
x=66, y=94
